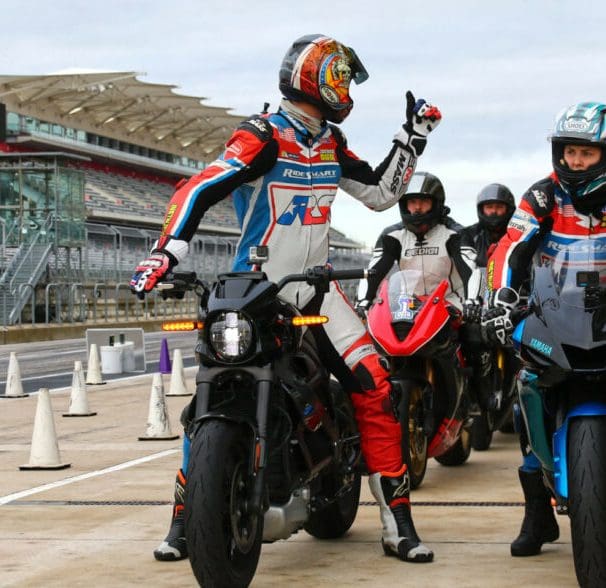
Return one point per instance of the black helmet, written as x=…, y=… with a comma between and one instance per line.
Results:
x=495, y=193
x=423, y=185
x=318, y=69
x=581, y=124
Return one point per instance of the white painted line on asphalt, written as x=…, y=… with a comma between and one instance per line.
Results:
x=121, y=466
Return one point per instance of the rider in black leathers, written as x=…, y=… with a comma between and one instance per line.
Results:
x=495, y=204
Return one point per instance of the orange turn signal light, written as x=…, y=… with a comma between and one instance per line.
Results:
x=183, y=325
x=304, y=321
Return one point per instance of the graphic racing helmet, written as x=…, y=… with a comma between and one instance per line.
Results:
x=318, y=69
x=423, y=185
x=581, y=124
x=495, y=193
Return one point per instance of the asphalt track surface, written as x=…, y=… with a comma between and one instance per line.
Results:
x=96, y=523
x=50, y=364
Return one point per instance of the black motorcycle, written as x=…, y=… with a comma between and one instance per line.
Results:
x=498, y=415
x=495, y=412
x=274, y=442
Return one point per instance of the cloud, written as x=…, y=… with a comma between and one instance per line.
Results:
x=462, y=179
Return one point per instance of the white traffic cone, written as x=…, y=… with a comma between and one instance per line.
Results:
x=44, y=454
x=14, y=386
x=158, y=425
x=78, y=402
x=178, y=386
x=93, y=375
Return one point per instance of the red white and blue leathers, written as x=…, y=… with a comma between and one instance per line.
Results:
x=544, y=220
x=283, y=182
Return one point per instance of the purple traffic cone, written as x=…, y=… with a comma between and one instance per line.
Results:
x=165, y=366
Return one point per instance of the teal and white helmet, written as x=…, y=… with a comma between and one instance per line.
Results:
x=581, y=124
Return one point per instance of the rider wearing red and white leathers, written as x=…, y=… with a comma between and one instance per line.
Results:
x=568, y=205
x=545, y=209
x=284, y=170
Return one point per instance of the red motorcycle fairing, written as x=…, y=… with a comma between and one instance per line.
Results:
x=414, y=324
x=429, y=321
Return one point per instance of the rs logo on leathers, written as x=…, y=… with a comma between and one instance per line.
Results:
x=310, y=210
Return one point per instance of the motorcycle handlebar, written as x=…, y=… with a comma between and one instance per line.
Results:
x=177, y=283
x=316, y=276
x=351, y=274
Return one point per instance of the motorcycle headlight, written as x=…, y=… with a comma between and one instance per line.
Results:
x=231, y=335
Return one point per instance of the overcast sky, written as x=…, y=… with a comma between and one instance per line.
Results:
x=498, y=71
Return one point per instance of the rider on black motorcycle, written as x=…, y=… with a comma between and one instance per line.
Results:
x=283, y=170
x=495, y=205
x=568, y=205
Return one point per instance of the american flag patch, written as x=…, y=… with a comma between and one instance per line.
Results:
x=288, y=134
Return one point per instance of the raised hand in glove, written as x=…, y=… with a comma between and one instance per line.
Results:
x=166, y=254
x=496, y=320
x=421, y=119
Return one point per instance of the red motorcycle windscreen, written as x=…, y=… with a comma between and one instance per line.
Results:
x=395, y=305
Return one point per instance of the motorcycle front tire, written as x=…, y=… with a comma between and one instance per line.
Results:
x=587, y=498
x=223, y=537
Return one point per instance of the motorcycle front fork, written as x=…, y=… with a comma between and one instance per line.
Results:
x=259, y=454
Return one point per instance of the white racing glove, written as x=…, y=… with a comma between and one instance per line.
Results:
x=421, y=119
x=166, y=253
x=497, y=325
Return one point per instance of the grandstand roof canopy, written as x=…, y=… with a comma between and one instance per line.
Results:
x=119, y=106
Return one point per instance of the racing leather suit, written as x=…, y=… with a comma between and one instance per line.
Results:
x=544, y=220
x=283, y=182
x=441, y=253
x=484, y=241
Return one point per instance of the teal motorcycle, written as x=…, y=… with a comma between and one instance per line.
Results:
x=562, y=386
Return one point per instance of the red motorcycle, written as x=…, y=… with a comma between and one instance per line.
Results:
x=415, y=328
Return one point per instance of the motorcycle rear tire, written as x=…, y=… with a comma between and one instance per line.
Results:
x=587, y=498
x=223, y=537
x=459, y=452
x=481, y=431
x=335, y=520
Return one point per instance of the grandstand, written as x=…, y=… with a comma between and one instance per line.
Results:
x=88, y=163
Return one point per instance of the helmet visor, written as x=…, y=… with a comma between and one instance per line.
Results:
x=358, y=71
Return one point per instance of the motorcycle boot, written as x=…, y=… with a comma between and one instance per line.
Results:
x=400, y=539
x=539, y=525
x=174, y=546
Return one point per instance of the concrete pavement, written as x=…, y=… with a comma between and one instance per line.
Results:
x=96, y=523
